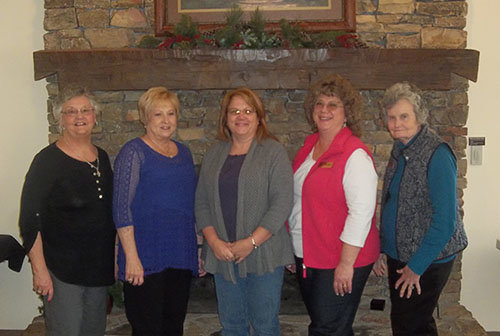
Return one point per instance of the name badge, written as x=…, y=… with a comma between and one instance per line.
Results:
x=326, y=165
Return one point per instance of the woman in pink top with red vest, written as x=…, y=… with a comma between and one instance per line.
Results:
x=332, y=224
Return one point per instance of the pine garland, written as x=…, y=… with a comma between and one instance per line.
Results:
x=237, y=34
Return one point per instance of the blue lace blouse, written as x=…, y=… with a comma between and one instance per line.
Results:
x=155, y=194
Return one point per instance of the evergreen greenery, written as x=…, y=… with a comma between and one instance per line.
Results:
x=238, y=34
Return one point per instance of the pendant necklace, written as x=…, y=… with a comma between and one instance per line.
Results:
x=95, y=167
x=160, y=150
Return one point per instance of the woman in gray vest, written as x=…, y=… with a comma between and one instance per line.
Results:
x=421, y=228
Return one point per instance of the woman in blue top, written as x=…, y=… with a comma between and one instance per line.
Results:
x=421, y=228
x=153, y=209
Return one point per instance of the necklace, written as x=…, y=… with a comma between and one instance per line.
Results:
x=96, y=167
x=80, y=157
x=168, y=152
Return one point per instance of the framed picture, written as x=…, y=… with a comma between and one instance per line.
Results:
x=311, y=15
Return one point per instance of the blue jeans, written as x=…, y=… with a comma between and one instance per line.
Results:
x=253, y=300
x=330, y=314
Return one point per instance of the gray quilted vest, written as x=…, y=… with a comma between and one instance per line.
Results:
x=414, y=212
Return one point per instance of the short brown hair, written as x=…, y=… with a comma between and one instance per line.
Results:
x=154, y=96
x=224, y=133
x=337, y=86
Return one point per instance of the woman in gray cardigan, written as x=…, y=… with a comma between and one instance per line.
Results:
x=244, y=196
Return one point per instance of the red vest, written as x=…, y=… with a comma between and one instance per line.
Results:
x=324, y=207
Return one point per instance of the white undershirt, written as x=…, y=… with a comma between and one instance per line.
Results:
x=360, y=187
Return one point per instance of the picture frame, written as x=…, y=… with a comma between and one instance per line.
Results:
x=317, y=15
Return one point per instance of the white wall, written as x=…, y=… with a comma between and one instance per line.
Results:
x=481, y=262
x=23, y=131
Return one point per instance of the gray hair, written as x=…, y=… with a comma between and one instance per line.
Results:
x=411, y=93
x=70, y=93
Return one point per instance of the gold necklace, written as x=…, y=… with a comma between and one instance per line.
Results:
x=161, y=151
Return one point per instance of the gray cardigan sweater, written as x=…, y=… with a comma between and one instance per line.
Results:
x=265, y=198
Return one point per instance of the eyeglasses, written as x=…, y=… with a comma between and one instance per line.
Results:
x=329, y=106
x=238, y=111
x=73, y=112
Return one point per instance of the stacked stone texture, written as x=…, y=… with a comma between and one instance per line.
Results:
x=411, y=23
x=86, y=24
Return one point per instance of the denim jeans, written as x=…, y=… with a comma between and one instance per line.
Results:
x=330, y=314
x=413, y=316
x=253, y=300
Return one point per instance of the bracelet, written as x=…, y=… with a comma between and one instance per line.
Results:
x=200, y=245
x=253, y=243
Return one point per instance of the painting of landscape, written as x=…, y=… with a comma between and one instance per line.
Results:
x=250, y=5
x=312, y=15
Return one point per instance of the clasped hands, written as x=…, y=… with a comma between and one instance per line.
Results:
x=236, y=251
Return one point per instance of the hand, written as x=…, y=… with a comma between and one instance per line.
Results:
x=221, y=249
x=380, y=267
x=42, y=284
x=408, y=281
x=292, y=268
x=241, y=249
x=134, y=273
x=201, y=265
x=342, y=281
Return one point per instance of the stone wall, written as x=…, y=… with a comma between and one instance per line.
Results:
x=84, y=24
x=412, y=23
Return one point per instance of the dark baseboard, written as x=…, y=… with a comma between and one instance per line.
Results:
x=11, y=332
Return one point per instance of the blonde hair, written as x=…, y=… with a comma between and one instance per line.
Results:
x=155, y=96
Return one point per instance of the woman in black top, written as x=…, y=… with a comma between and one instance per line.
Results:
x=66, y=223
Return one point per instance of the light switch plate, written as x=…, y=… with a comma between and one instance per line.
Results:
x=476, y=155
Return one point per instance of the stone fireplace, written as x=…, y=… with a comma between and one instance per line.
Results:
x=91, y=43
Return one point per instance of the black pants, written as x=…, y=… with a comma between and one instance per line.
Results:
x=413, y=316
x=330, y=314
x=158, y=307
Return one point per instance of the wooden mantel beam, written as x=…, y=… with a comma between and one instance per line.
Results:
x=139, y=69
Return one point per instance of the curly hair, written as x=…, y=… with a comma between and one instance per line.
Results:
x=69, y=93
x=224, y=133
x=337, y=86
x=411, y=93
x=152, y=97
